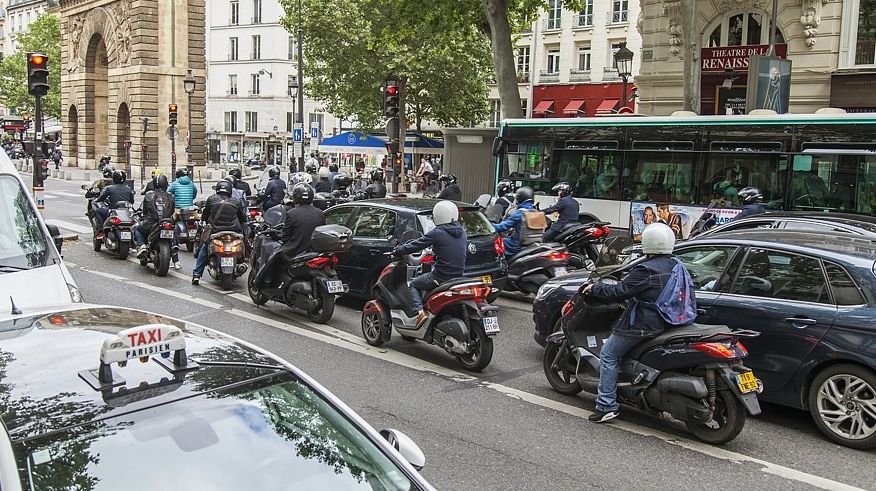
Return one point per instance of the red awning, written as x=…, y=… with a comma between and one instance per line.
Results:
x=607, y=106
x=574, y=107
x=544, y=107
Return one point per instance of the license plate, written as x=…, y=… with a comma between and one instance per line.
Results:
x=491, y=325
x=124, y=235
x=487, y=279
x=226, y=261
x=335, y=286
x=559, y=270
x=183, y=233
x=166, y=234
x=747, y=382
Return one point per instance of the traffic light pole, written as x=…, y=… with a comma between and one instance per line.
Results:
x=38, y=177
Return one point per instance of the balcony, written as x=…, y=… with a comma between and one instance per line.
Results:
x=579, y=76
x=618, y=17
x=547, y=77
x=610, y=73
x=584, y=21
x=553, y=24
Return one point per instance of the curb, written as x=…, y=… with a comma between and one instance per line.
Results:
x=69, y=237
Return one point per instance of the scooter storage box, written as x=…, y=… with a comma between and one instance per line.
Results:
x=331, y=238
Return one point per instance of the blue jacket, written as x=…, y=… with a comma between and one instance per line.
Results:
x=750, y=210
x=568, y=208
x=273, y=193
x=640, y=288
x=183, y=191
x=449, y=243
x=512, y=243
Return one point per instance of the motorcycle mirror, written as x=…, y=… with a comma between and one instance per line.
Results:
x=84, y=186
x=611, y=248
x=405, y=446
x=483, y=200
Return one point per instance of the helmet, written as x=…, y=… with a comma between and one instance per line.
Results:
x=230, y=178
x=236, y=173
x=448, y=179
x=161, y=183
x=360, y=166
x=524, y=194
x=119, y=176
x=311, y=167
x=273, y=172
x=323, y=173
x=303, y=177
x=333, y=167
x=504, y=187
x=657, y=238
x=107, y=172
x=377, y=175
x=302, y=194
x=181, y=172
x=155, y=173
x=342, y=180
x=562, y=189
x=444, y=212
x=750, y=195
x=224, y=187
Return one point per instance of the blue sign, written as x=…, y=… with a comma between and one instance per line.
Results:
x=314, y=131
x=298, y=135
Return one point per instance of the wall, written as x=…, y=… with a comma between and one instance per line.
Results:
x=472, y=163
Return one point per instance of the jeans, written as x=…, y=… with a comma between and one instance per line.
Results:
x=551, y=233
x=201, y=263
x=418, y=285
x=139, y=234
x=614, y=349
x=102, y=214
x=511, y=247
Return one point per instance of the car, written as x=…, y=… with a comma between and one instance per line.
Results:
x=378, y=225
x=109, y=398
x=812, y=298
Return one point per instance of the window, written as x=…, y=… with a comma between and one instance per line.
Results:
x=781, y=275
x=706, y=264
x=232, y=84
x=252, y=121
x=584, y=58
x=524, y=104
x=523, y=59
x=318, y=118
x=256, y=47
x=553, y=61
x=495, y=112
x=254, y=84
x=585, y=17
x=235, y=13
x=619, y=9
x=293, y=49
x=865, y=42
x=23, y=244
x=845, y=291
x=28, y=18
x=375, y=223
x=742, y=29
x=256, y=11
x=473, y=222
x=833, y=182
x=555, y=13
x=338, y=216
x=231, y=121
x=660, y=176
x=232, y=49
x=728, y=172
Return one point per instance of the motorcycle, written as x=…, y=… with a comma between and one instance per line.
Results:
x=459, y=318
x=186, y=227
x=116, y=228
x=159, y=247
x=225, y=260
x=695, y=373
x=582, y=240
x=308, y=283
x=534, y=265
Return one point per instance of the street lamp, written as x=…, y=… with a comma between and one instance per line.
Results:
x=293, y=93
x=189, y=86
x=623, y=63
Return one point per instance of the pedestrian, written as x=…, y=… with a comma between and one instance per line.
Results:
x=56, y=156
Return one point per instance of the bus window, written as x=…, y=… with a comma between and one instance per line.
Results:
x=727, y=173
x=663, y=177
x=526, y=160
x=839, y=182
x=592, y=173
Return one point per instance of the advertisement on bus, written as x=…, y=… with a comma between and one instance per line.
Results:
x=680, y=218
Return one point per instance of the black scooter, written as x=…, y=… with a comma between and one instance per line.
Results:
x=695, y=373
x=160, y=247
x=582, y=241
x=534, y=265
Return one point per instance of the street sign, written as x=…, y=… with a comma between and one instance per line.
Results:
x=297, y=149
x=298, y=135
x=172, y=132
x=314, y=132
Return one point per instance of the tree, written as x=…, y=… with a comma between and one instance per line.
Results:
x=350, y=47
x=44, y=36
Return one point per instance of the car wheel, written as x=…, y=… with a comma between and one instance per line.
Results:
x=842, y=401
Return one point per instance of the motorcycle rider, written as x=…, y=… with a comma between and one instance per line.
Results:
x=566, y=206
x=157, y=205
x=448, y=241
x=151, y=184
x=523, y=198
x=451, y=189
x=641, y=318
x=504, y=195
x=223, y=214
x=236, y=192
x=301, y=220
x=376, y=189
x=239, y=183
x=273, y=193
x=112, y=194
x=333, y=171
x=323, y=185
x=312, y=168
x=183, y=189
x=752, y=200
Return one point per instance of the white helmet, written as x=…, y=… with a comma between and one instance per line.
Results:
x=444, y=212
x=303, y=177
x=658, y=238
x=323, y=173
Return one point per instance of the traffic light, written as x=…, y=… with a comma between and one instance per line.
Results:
x=391, y=98
x=37, y=74
x=398, y=161
x=172, y=114
x=43, y=170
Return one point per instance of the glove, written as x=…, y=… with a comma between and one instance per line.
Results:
x=397, y=252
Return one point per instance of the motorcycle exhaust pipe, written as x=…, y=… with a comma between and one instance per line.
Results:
x=241, y=269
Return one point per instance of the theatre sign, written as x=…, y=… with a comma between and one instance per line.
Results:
x=735, y=58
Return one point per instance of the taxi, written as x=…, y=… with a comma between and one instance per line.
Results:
x=106, y=398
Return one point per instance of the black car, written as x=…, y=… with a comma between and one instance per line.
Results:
x=106, y=398
x=378, y=225
x=811, y=296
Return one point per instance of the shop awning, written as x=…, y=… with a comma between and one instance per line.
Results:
x=607, y=106
x=574, y=108
x=544, y=107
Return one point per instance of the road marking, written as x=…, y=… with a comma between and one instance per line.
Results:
x=49, y=196
x=79, y=229
x=70, y=195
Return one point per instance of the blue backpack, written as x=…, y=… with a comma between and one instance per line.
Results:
x=677, y=301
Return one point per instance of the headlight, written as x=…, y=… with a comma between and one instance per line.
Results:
x=545, y=290
x=75, y=294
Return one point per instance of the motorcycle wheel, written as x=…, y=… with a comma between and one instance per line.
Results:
x=124, y=249
x=482, y=354
x=563, y=381
x=162, y=264
x=255, y=294
x=726, y=424
x=325, y=306
x=190, y=246
x=227, y=281
x=96, y=243
x=371, y=329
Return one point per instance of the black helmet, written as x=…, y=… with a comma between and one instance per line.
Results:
x=107, y=172
x=524, y=194
x=230, y=178
x=161, y=182
x=236, y=173
x=333, y=168
x=377, y=175
x=273, y=172
x=119, y=176
x=360, y=166
x=342, y=180
x=448, y=179
x=181, y=172
x=750, y=195
x=562, y=189
x=504, y=187
x=224, y=187
x=302, y=194
x=311, y=167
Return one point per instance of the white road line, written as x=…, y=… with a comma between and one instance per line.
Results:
x=70, y=195
x=350, y=342
x=49, y=196
x=79, y=229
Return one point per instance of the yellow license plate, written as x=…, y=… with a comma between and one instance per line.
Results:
x=487, y=279
x=747, y=382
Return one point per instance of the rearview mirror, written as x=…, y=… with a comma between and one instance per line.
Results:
x=405, y=446
x=84, y=186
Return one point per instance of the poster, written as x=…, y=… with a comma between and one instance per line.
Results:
x=680, y=218
x=769, y=84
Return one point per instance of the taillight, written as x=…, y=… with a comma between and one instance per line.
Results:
x=605, y=230
x=115, y=220
x=254, y=213
x=568, y=306
x=167, y=226
x=742, y=348
x=718, y=350
x=595, y=232
x=499, y=246
x=322, y=262
x=438, y=301
x=428, y=258
x=556, y=256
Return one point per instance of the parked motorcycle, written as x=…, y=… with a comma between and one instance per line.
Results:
x=159, y=247
x=534, y=265
x=459, y=318
x=694, y=373
x=225, y=259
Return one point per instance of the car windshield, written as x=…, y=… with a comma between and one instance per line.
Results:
x=271, y=433
x=22, y=243
x=473, y=221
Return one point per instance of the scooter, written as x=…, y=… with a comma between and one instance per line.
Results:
x=582, y=240
x=186, y=227
x=159, y=247
x=534, y=265
x=459, y=318
x=225, y=260
x=694, y=373
x=117, y=230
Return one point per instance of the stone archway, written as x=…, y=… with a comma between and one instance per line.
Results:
x=123, y=134
x=71, y=139
x=96, y=98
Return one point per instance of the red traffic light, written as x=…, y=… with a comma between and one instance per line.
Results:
x=38, y=59
x=391, y=90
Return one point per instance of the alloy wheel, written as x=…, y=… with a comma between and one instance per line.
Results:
x=847, y=406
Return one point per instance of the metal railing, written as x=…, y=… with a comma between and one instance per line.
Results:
x=579, y=75
x=584, y=20
x=610, y=73
x=546, y=76
x=618, y=16
x=553, y=23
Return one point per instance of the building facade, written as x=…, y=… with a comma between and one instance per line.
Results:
x=123, y=64
x=830, y=45
x=19, y=15
x=565, y=60
x=251, y=103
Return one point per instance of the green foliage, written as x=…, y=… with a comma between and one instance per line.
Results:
x=350, y=47
x=44, y=36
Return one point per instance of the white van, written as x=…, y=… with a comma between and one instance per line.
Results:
x=32, y=273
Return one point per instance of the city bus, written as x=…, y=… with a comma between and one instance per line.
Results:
x=631, y=170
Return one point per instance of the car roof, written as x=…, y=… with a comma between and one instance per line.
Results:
x=403, y=203
x=844, y=247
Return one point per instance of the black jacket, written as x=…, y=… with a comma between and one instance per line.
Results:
x=322, y=186
x=114, y=193
x=568, y=208
x=243, y=186
x=375, y=190
x=750, y=210
x=150, y=186
x=273, y=193
x=451, y=192
x=505, y=202
x=224, y=214
x=449, y=243
x=640, y=288
x=300, y=222
x=157, y=204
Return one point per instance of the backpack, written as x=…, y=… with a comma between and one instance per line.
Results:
x=677, y=302
x=532, y=227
